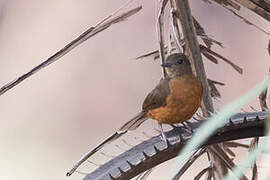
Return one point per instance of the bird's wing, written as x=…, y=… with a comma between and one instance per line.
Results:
x=157, y=97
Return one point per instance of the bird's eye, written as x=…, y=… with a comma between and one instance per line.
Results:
x=180, y=61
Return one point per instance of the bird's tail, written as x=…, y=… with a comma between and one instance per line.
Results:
x=134, y=122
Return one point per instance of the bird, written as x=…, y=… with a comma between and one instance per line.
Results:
x=175, y=99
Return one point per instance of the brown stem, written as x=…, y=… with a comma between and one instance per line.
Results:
x=160, y=29
x=256, y=8
x=192, y=51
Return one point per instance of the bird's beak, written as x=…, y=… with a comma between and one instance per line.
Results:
x=166, y=64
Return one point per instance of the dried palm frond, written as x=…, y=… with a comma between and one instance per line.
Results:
x=209, y=51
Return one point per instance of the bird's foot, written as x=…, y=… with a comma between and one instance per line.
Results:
x=187, y=127
x=163, y=136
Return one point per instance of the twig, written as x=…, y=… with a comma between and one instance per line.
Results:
x=114, y=13
x=268, y=48
x=231, y=3
x=265, y=4
x=170, y=42
x=192, y=159
x=160, y=26
x=254, y=142
x=216, y=82
x=201, y=173
x=229, y=151
x=213, y=89
x=255, y=8
x=210, y=52
x=155, y=53
x=247, y=21
x=175, y=29
x=235, y=144
x=101, y=26
x=253, y=108
x=225, y=3
x=223, y=157
x=205, y=38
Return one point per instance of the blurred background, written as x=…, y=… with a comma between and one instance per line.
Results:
x=52, y=118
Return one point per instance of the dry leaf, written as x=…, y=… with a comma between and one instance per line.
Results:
x=237, y=68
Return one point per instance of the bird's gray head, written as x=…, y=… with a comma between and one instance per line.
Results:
x=177, y=65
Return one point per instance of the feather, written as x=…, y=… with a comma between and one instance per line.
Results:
x=134, y=122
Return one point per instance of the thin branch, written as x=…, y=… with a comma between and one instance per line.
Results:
x=209, y=56
x=154, y=53
x=229, y=151
x=235, y=144
x=192, y=159
x=216, y=82
x=268, y=48
x=225, y=3
x=193, y=52
x=114, y=13
x=210, y=174
x=200, y=174
x=223, y=157
x=205, y=38
x=211, y=52
x=265, y=4
x=160, y=30
x=262, y=99
x=213, y=89
x=254, y=142
x=247, y=21
x=255, y=8
x=176, y=30
x=232, y=4
x=101, y=26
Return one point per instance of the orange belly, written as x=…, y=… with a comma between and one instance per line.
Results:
x=182, y=102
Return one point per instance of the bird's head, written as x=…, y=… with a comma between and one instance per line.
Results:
x=177, y=65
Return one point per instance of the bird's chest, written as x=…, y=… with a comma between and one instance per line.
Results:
x=182, y=89
x=182, y=102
